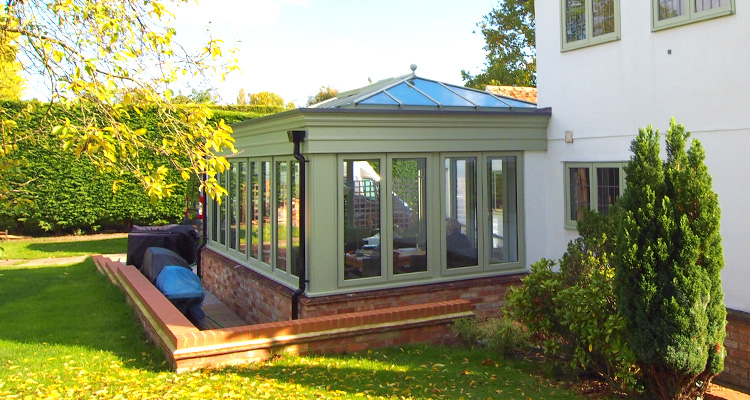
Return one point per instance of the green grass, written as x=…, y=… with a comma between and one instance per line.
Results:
x=26, y=249
x=67, y=332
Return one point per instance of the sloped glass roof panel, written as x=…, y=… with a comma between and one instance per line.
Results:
x=380, y=98
x=517, y=103
x=441, y=94
x=408, y=96
x=481, y=99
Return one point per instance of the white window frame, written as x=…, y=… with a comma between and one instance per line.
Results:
x=689, y=17
x=590, y=40
x=593, y=185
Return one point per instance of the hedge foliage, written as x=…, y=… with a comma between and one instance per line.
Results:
x=67, y=194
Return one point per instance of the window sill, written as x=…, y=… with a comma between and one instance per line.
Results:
x=667, y=24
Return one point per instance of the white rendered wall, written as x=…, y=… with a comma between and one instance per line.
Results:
x=604, y=93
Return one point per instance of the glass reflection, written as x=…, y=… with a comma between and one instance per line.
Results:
x=362, y=255
x=503, y=211
x=461, y=212
x=409, y=219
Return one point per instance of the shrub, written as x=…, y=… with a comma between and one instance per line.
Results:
x=572, y=313
x=499, y=335
x=669, y=258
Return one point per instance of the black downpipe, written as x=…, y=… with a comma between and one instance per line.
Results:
x=298, y=137
x=204, y=234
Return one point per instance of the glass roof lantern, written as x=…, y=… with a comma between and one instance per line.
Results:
x=412, y=92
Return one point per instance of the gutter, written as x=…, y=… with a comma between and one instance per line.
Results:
x=204, y=235
x=297, y=137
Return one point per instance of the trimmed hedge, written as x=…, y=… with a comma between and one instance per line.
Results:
x=68, y=194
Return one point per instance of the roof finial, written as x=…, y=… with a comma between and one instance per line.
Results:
x=413, y=68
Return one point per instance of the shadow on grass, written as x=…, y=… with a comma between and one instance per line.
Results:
x=72, y=305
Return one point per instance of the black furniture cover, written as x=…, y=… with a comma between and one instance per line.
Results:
x=182, y=239
x=156, y=258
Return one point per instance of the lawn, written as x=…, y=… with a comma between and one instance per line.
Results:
x=67, y=246
x=67, y=332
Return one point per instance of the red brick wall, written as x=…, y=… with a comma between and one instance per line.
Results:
x=486, y=295
x=737, y=343
x=257, y=299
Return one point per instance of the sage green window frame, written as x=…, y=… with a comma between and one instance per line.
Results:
x=288, y=272
x=233, y=208
x=593, y=185
x=246, y=258
x=436, y=223
x=690, y=16
x=590, y=39
x=484, y=211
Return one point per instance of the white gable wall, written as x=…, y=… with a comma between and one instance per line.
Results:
x=604, y=93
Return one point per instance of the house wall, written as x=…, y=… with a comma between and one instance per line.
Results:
x=604, y=93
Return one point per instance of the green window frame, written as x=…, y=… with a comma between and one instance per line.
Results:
x=667, y=14
x=258, y=221
x=591, y=185
x=588, y=22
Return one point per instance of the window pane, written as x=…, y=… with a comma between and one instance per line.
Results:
x=705, y=5
x=296, y=261
x=604, y=16
x=503, y=217
x=362, y=219
x=580, y=189
x=265, y=174
x=282, y=207
x=575, y=20
x=408, y=95
x=670, y=9
x=409, y=220
x=254, y=209
x=461, y=212
x=222, y=217
x=215, y=217
x=232, y=200
x=607, y=187
x=243, y=207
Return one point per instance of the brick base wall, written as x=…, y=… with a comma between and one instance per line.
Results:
x=257, y=299
x=737, y=363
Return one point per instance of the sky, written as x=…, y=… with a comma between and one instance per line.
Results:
x=293, y=47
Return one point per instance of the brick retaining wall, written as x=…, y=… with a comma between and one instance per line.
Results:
x=188, y=348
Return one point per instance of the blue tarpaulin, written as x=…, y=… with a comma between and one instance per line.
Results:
x=183, y=288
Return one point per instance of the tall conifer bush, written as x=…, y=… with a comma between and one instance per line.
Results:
x=669, y=258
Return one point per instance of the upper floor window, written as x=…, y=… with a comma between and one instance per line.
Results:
x=670, y=13
x=593, y=186
x=589, y=22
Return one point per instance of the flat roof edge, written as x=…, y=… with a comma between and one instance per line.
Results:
x=547, y=111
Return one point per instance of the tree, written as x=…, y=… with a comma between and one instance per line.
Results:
x=11, y=82
x=241, y=98
x=669, y=259
x=205, y=96
x=266, y=99
x=324, y=93
x=509, y=33
x=111, y=58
